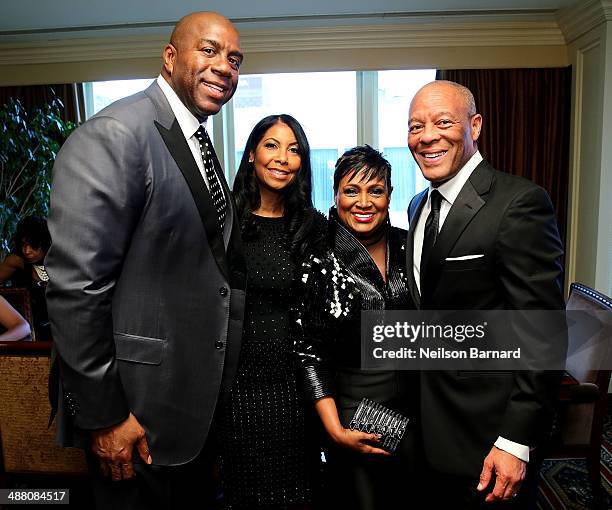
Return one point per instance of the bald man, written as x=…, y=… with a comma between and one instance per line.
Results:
x=479, y=239
x=147, y=277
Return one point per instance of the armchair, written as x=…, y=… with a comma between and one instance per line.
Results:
x=584, y=394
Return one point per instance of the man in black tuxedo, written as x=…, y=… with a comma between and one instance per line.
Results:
x=147, y=278
x=479, y=239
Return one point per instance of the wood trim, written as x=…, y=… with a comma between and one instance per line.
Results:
x=25, y=348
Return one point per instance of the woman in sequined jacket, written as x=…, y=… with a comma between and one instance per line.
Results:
x=364, y=269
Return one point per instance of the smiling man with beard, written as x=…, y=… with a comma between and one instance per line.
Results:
x=147, y=278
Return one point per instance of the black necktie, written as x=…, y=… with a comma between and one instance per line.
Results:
x=431, y=231
x=214, y=186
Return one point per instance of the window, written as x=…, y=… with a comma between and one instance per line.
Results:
x=337, y=110
x=395, y=91
x=323, y=103
x=329, y=106
x=99, y=94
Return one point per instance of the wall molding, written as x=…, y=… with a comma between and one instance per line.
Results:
x=291, y=21
x=81, y=50
x=582, y=17
x=575, y=162
x=574, y=192
x=510, y=33
x=468, y=34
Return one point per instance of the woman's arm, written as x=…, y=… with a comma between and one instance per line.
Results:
x=9, y=265
x=352, y=439
x=17, y=328
x=311, y=342
x=311, y=331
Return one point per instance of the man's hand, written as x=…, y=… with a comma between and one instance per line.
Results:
x=114, y=446
x=509, y=474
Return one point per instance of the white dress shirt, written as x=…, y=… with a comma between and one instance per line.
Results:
x=188, y=123
x=449, y=191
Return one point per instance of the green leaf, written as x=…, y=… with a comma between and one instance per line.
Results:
x=29, y=142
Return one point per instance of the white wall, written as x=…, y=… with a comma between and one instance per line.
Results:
x=589, y=259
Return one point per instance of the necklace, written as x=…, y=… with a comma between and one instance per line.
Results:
x=41, y=272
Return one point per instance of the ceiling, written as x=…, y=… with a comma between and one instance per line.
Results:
x=22, y=17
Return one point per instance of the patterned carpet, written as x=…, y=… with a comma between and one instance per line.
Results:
x=564, y=483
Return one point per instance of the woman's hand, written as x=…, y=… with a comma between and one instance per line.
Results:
x=357, y=440
x=352, y=439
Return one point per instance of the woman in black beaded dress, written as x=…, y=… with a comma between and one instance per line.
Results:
x=268, y=461
x=364, y=269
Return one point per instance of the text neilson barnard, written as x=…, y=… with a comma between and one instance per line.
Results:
x=443, y=353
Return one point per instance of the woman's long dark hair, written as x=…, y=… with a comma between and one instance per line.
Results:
x=299, y=214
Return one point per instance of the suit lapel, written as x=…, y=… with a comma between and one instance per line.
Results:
x=178, y=148
x=177, y=145
x=465, y=207
x=414, y=211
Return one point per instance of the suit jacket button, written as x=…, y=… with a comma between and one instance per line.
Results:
x=218, y=344
x=223, y=291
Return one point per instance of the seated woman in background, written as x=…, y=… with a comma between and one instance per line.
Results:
x=268, y=458
x=364, y=269
x=24, y=267
x=14, y=326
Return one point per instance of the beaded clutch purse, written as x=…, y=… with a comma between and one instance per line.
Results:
x=375, y=418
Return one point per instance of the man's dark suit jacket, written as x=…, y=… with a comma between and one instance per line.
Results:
x=146, y=295
x=511, y=221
